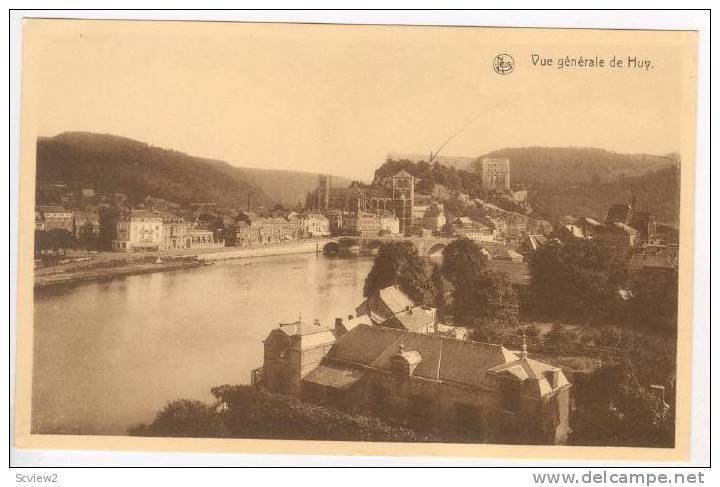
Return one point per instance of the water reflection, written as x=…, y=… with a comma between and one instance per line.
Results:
x=107, y=355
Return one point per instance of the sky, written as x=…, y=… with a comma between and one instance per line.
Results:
x=338, y=99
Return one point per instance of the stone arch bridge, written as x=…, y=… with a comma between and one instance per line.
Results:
x=427, y=246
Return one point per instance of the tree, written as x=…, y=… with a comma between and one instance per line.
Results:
x=400, y=263
x=614, y=409
x=250, y=412
x=487, y=298
x=183, y=418
x=655, y=299
x=60, y=239
x=87, y=237
x=42, y=241
x=463, y=261
x=576, y=282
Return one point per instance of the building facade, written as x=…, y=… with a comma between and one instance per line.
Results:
x=313, y=225
x=57, y=217
x=174, y=232
x=139, y=230
x=495, y=175
x=485, y=391
x=86, y=223
x=464, y=227
x=403, y=195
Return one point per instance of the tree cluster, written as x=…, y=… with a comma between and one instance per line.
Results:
x=430, y=174
x=613, y=408
x=55, y=240
x=587, y=283
x=478, y=297
x=250, y=412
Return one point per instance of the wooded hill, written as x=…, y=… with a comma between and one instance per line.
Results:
x=112, y=164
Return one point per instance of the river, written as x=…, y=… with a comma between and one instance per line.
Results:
x=108, y=355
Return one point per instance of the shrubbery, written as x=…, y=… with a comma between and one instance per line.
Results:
x=250, y=412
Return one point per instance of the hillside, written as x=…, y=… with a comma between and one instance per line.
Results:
x=566, y=181
x=112, y=164
x=540, y=165
x=656, y=190
x=285, y=187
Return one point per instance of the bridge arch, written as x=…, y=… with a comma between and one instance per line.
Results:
x=436, y=250
x=331, y=248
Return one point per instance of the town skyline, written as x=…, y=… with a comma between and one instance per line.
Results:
x=336, y=112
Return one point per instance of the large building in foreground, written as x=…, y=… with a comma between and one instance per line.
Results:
x=482, y=390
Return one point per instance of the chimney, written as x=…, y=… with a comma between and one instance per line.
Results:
x=339, y=327
x=553, y=378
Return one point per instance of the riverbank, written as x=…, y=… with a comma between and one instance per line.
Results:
x=87, y=274
x=313, y=246
x=109, y=265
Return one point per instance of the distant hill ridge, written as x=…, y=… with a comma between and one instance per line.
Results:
x=114, y=164
x=580, y=181
x=539, y=165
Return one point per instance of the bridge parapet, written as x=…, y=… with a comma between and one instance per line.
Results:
x=425, y=245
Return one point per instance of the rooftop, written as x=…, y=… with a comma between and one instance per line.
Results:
x=443, y=358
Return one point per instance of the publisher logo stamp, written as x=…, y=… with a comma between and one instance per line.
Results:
x=503, y=64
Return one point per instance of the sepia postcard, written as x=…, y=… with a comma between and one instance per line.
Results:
x=356, y=239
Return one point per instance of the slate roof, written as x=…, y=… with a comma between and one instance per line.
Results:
x=574, y=231
x=395, y=299
x=534, y=376
x=336, y=377
x=443, y=358
x=312, y=339
x=589, y=221
x=618, y=227
x=415, y=319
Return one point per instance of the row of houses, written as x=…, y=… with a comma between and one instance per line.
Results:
x=251, y=231
x=624, y=229
x=628, y=232
x=77, y=222
x=145, y=230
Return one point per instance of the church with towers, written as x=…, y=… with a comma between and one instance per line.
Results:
x=397, y=197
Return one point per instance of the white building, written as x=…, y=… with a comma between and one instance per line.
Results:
x=389, y=223
x=139, y=230
x=313, y=225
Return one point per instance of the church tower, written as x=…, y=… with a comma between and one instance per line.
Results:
x=403, y=196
